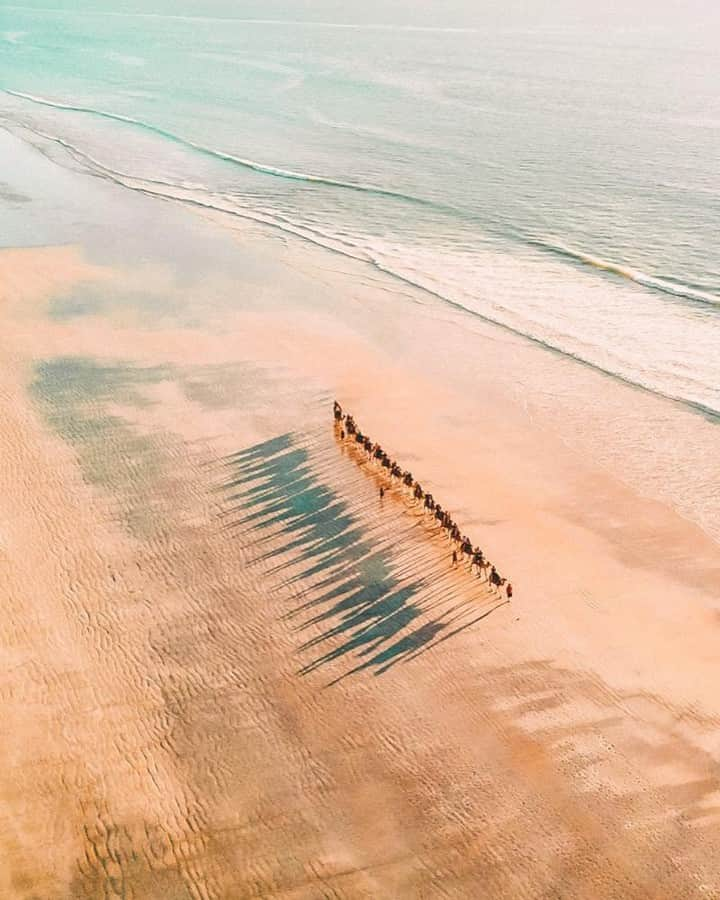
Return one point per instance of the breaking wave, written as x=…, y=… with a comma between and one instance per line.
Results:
x=223, y=155
x=665, y=285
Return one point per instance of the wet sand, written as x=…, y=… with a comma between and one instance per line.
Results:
x=230, y=670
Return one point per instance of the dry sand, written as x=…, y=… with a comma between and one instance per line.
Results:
x=229, y=670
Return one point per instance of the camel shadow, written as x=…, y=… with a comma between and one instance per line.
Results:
x=368, y=601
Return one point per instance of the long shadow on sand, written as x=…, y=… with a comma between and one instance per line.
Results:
x=376, y=600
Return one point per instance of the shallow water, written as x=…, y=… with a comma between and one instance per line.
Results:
x=498, y=159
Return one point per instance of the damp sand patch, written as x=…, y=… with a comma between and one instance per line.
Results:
x=76, y=396
x=9, y=195
x=151, y=298
x=149, y=308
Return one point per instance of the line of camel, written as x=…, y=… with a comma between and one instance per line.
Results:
x=462, y=545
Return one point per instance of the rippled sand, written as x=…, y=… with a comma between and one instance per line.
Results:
x=228, y=669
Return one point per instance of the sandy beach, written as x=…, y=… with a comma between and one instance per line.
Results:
x=230, y=670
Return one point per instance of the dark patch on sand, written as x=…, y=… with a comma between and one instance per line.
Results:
x=74, y=394
x=150, y=307
x=8, y=195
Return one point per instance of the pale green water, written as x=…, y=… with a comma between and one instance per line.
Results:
x=556, y=173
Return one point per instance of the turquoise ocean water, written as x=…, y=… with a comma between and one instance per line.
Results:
x=556, y=172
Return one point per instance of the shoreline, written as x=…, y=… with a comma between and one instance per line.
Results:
x=227, y=670
x=580, y=261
